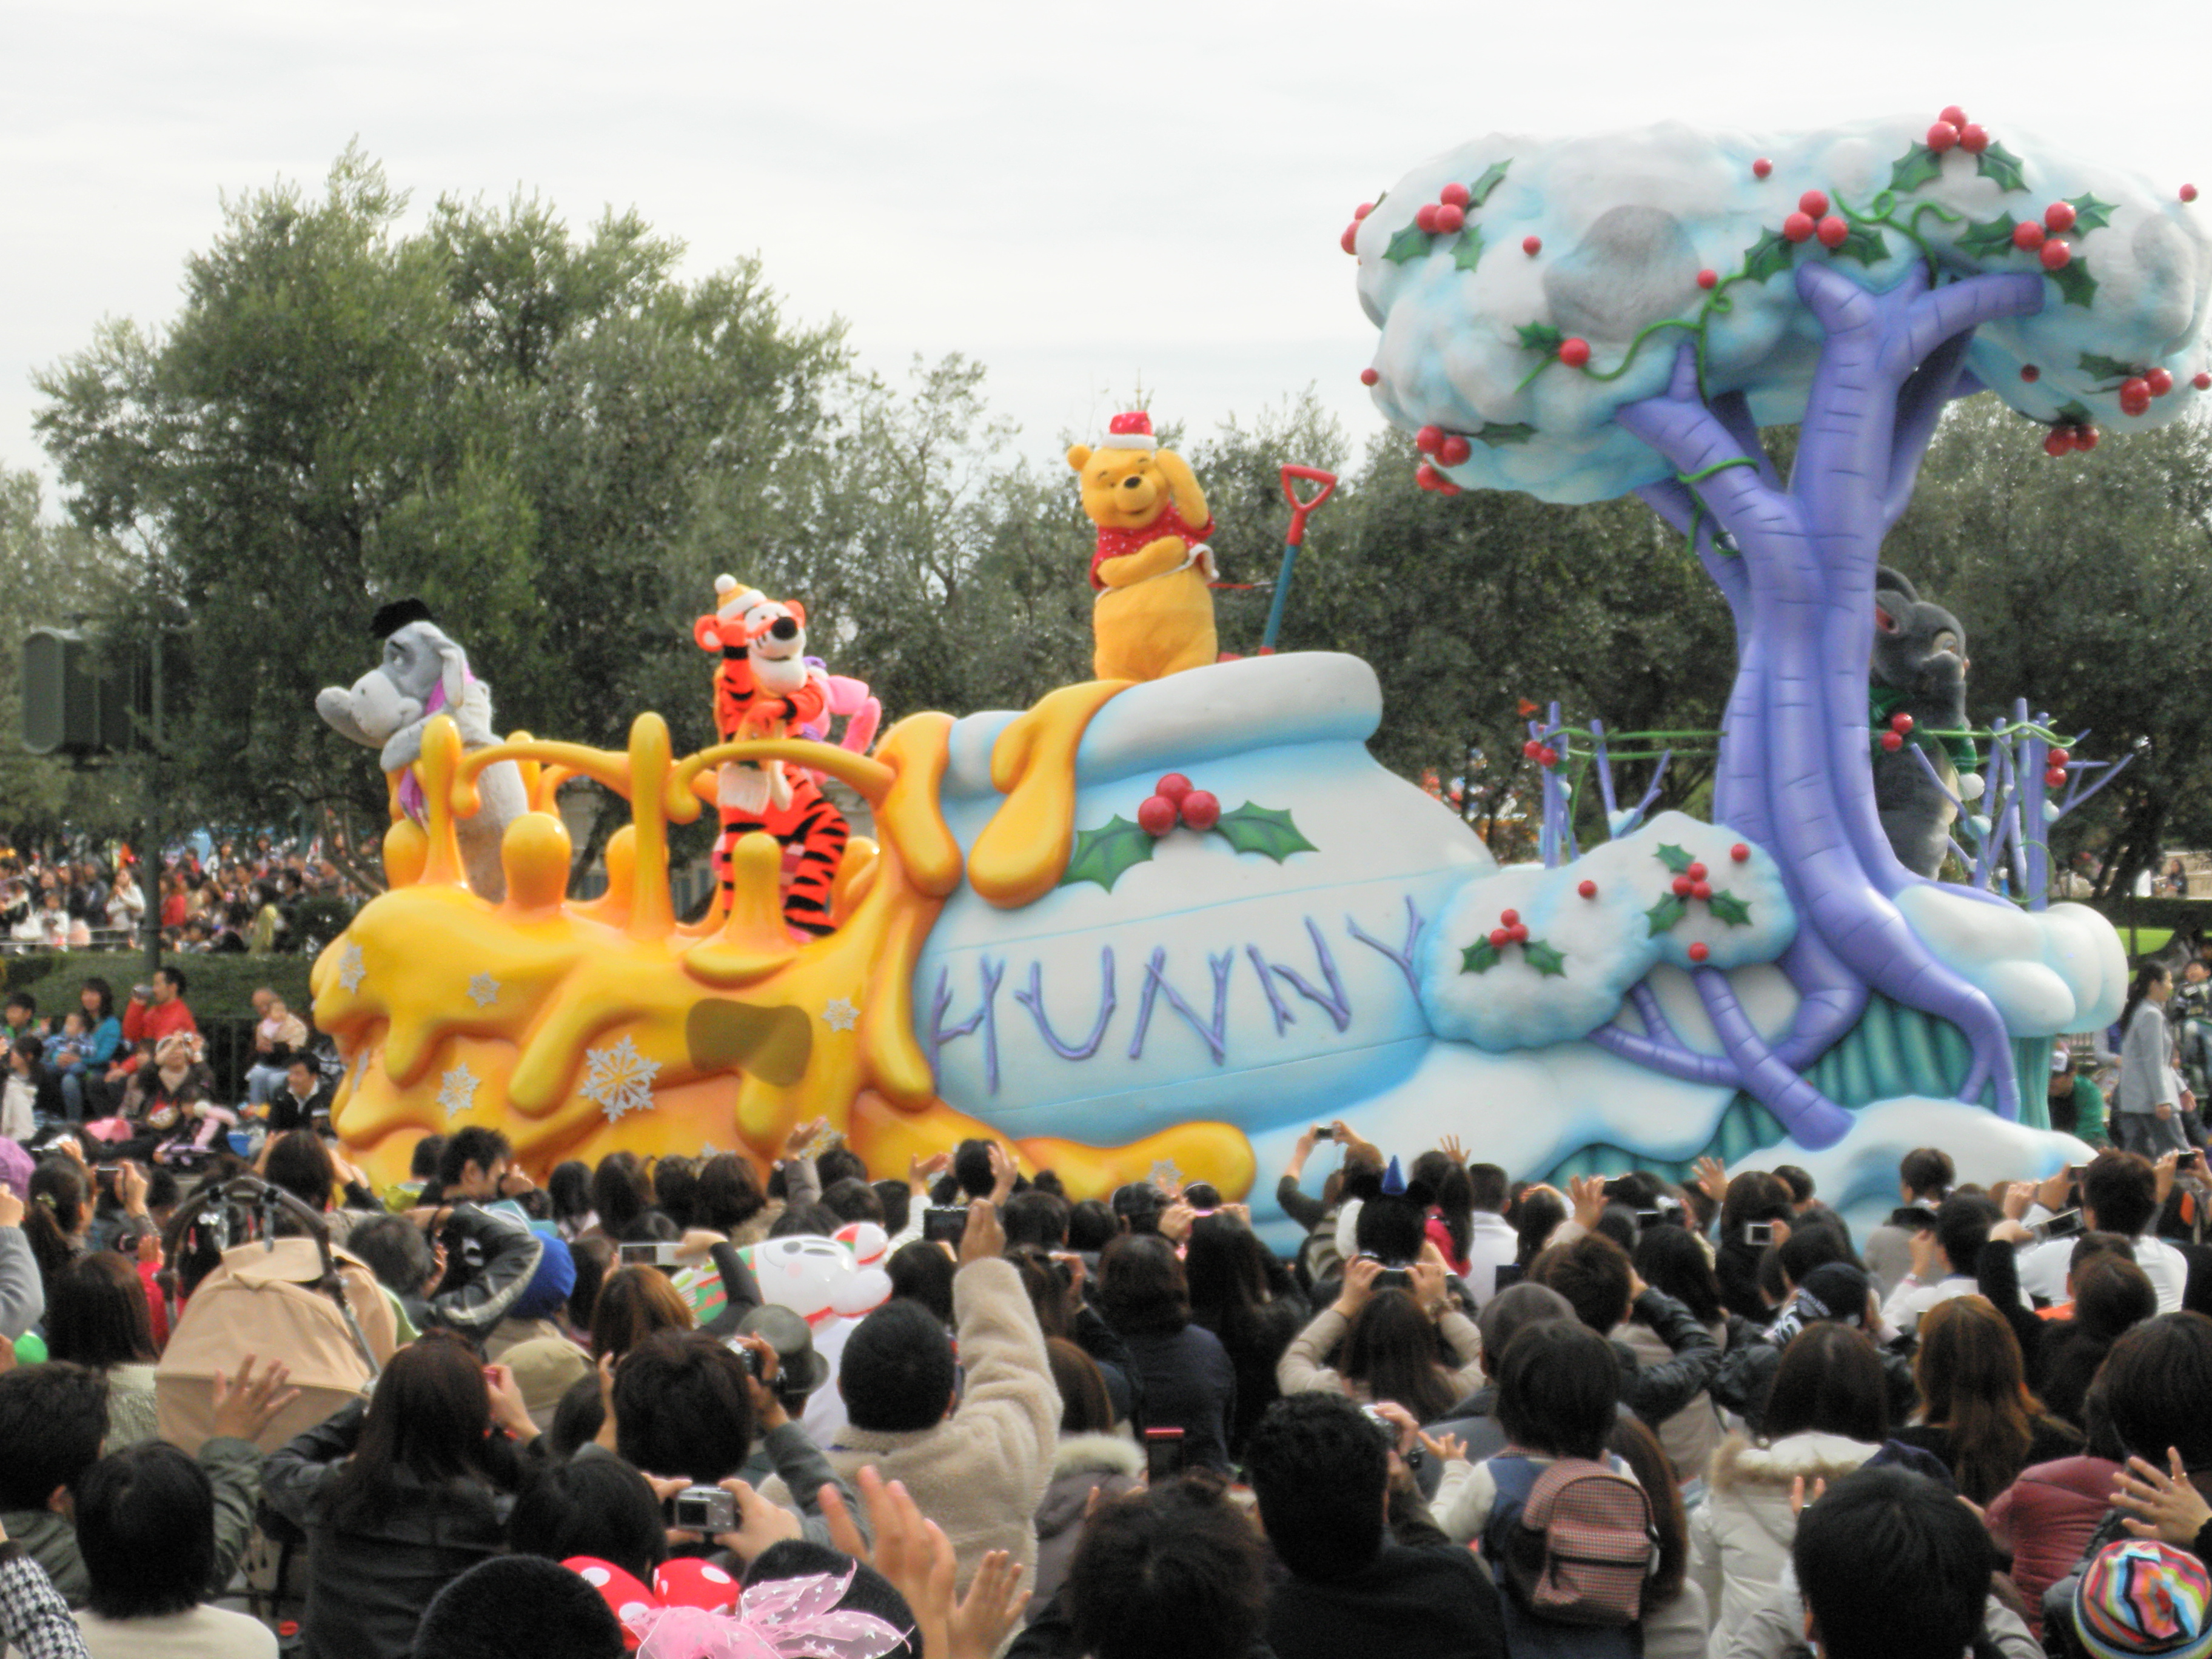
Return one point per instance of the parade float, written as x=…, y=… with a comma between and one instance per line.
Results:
x=1178, y=914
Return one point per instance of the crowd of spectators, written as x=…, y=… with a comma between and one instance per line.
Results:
x=239, y=894
x=272, y=1409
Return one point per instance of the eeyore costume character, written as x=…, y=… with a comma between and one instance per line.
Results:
x=1919, y=668
x=425, y=673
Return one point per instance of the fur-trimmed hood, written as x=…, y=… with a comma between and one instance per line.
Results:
x=1739, y=1466
x=1095, y=1454
x=1740, y=1536
x=1079, y=1462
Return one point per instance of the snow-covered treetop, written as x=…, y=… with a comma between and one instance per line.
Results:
x=1526, y=291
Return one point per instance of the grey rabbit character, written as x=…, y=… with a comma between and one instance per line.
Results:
x=423, y=673
x=1918, y=668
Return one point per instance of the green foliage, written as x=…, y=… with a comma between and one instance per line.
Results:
x=1467, y=605
x=523, y=427
x=221, y=985
x=1264, y=830
x=1106, y=854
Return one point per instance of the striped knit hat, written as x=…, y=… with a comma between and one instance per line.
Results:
x=2140, y=1597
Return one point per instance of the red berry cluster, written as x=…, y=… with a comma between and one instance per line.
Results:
x=2044, y=240
x=1814, y=220
x=1352, y=230
x=1172, y=799
x=1510, y=930
x=2068, y=436
x=1445, y=215
x=2054, y=775
x=2137, y=390
x=1899, y=724
x=1448, y=447
x=1542, y=753
x=1693, y=882
x=1951, y=129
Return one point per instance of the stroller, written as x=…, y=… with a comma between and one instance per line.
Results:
x=248, y=1291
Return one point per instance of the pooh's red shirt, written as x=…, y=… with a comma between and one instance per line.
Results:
x=1120, y=543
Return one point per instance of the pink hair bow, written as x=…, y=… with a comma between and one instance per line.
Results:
x=782, y=1618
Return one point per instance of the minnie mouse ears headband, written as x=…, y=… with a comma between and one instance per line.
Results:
x=697, y=1611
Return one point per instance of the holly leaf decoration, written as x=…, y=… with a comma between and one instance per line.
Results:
x=1864, y=244
x=1252, y=828
x=1103, y=854
x=2089, y=213
x=1548, y=963
x=2001, y=164
x=1675, y=859
x=1917, y=166
x=2075, y=282
x=1500, y=435
x=1727, y=908
x=2106, y=368
x=1479, y=957
x=1663, y=916
x=2075, y=413
x=1986, y=241
x=1769, y=255
x=1540, y=337
x=1493, y=176
x=1410, y=243
x=1469, y=253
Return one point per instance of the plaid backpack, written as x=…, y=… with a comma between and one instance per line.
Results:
x=1572, y=1541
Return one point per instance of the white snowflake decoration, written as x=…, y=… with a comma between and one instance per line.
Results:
x=619, y=1079
x=457, y=1090
x=484, y=990
x=841, y=1015
x=352, y=969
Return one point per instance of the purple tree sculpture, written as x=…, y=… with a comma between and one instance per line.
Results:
x=1586, y=318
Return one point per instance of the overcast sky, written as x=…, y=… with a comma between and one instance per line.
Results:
x=1081, y=197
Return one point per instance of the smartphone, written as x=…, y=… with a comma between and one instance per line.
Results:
x=1509, y=1272
x=945, y=1224
x=1322, y=1132
x=108, y=1171
x=1647, y=1219
x=703, y=1509
x=2065, y=1224
x=649, y=1254
x=1394, y=1278
x=1163, y=1455
x=1758, y=1234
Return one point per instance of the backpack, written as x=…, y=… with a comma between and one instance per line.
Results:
x=1572, y=1541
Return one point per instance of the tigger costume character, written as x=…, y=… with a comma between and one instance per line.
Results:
x=764, y=688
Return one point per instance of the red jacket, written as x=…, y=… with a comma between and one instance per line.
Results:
x=2046, y=1515
x=145, y=1022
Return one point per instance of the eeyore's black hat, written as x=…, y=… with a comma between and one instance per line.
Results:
x=395, y=614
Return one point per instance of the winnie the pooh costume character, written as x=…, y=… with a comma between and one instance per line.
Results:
x=1154, y=613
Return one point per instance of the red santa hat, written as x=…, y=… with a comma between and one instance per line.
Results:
x=1130, y=431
